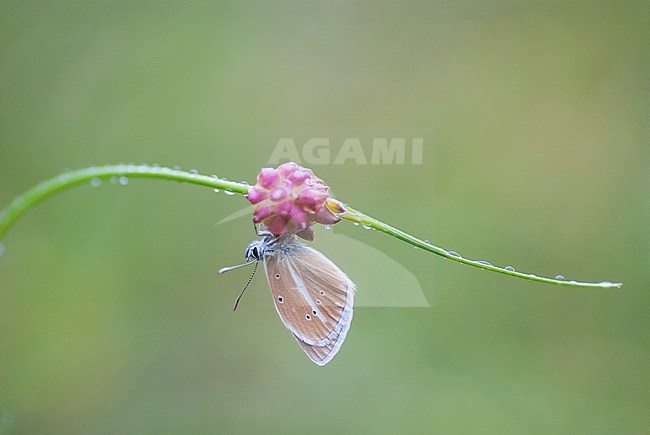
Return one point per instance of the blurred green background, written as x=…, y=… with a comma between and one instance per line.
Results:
x=536, y=153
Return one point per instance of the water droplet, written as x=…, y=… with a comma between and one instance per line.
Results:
x=510, y=268
x=245, y=183
x=605, y=284
x=483, y=262
x=328, y=227
x=356, y=223
x=229, y=192
x=2, y=249
x=217, y=190
x=124, y=180
x=415, y=247
x=114, y=179
x=96, y=182
x=366, y=227
x=427, y=242
x=454, y=254
x=559, y=277
x=193, y=171
x=176, y=168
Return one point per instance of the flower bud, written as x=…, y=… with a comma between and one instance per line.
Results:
x=290, y=199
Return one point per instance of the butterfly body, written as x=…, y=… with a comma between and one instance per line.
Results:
x=312, y=296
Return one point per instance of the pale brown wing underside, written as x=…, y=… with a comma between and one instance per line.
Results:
x=313, y=297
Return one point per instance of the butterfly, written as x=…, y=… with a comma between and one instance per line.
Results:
x=312, y=296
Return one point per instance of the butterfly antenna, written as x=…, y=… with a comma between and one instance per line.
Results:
x=229, y=268
x=234, y=308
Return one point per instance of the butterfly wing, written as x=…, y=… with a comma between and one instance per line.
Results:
x=321, y=355
x=313, y=297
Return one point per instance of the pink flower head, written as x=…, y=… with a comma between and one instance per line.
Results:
x=290, y=199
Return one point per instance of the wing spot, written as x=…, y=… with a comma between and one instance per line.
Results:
x=308, y=317
x=318, y=301
x=322, y=292
x=280, y=299
x=277, y=276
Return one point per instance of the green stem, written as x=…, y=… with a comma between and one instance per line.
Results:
x=121, y=173
x=118, y=173
x=370, y=222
